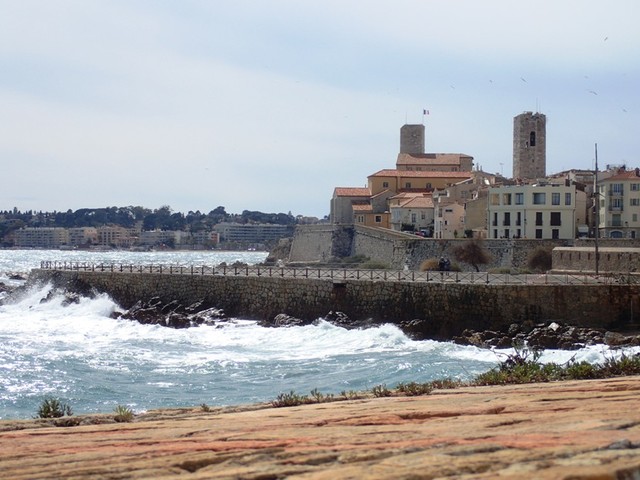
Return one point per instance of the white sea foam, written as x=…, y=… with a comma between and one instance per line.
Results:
x=78, y=352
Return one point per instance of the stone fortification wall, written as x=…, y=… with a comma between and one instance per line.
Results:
x=312, y=243
x=583, y=259
x=318, y=243
x=445, y=308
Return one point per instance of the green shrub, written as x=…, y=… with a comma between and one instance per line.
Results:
x=445, y=384
x=374, y=265
x=123, y=414
x=53, y=408
x=381, y=391
x=540, y=260
x=290, y=399
x=413, y=389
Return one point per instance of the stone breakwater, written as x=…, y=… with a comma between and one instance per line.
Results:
x=424, y=310
x=564, y=430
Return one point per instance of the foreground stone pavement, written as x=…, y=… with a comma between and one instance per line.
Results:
x=571, y=430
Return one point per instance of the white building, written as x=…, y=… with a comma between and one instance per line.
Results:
x=543, y=211
x=619, y=202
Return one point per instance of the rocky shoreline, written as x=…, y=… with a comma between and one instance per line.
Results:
x=548, y=335
x=559, y=430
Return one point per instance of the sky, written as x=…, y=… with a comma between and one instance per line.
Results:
x=270, y=105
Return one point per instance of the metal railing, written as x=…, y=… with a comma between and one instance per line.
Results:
x=338, y=274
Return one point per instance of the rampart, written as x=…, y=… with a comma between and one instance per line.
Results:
x=444, y=308
x=318, y=243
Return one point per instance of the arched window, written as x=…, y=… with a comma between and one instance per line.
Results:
x=532, y=139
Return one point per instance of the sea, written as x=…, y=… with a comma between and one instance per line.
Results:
x=80, y=355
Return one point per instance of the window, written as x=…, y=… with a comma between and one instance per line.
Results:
x=407, y=185
x=378, y=218
x=506, y=199
x=518, y=218
x=495, y=233
x=567, y=198
x=385, y=184
x=616, y=204
x=519, y=198
x=413, y=218
x=495, y=199
x=506, y=233
x=616, y=189
x=360, y=218
x=538, y=218
x=555, y=198
x=538, y=233
x=423, y=216
x=635, y=187
x=616, y=221
x=495, y=219
x=507, y=218
x=532, y=139
x=555, y=219
x=635, y=202
x=539, y=198
x=428, y=186
x=634, y=217
x=555, y=233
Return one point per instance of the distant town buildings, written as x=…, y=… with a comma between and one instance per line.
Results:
x=440, y=195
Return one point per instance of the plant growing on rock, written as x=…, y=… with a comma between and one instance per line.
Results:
x=413, y=389
x=123, y=414
x=53, y=408
x=381, y=391
x=290, y=399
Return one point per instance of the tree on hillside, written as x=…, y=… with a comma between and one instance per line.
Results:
x=473, y=253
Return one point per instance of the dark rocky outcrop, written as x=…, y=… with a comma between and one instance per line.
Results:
x=172, y=314
x=546, y=336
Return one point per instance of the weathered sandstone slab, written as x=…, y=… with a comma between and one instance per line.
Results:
x=578, y=429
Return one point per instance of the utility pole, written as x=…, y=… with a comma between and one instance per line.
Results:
x=596, y=200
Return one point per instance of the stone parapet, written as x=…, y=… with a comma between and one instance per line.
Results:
x=445, y=309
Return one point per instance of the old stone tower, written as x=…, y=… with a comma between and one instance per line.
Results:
x=529, y=146
x=412, y=139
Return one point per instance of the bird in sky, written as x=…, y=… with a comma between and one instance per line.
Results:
x=592, y=92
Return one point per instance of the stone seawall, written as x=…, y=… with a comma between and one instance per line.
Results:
x=446, y=309
x=317, y=243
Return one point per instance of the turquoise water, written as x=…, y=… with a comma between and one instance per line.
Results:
x=93, y=362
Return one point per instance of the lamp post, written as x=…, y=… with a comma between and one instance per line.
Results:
x=596, y=200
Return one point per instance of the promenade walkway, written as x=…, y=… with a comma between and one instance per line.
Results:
x=343, y=274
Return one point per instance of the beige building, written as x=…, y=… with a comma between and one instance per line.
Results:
x=343, y=201
x=116, y=236
x=619, y=199
x=414, y=209
x=542, y=211
x=398, y=181
x=434, y=162
x=83, y=236
x=41, y=237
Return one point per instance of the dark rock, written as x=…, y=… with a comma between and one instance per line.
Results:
x=284, y=320
x=614, y=339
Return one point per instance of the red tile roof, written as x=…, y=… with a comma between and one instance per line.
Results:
x=626, y=175
x=351, y=192
x=420, y=174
